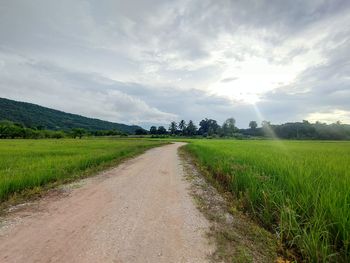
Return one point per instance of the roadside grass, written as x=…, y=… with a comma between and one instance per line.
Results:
x=236, y=237
x=299, y=190
x=27, y=166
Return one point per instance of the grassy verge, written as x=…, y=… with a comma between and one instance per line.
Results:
x=298, y=190
x=27, y=166
x=236, y=237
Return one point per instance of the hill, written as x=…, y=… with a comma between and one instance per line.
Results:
x=32, y=115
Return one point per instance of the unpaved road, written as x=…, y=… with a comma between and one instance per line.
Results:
x=140, y=211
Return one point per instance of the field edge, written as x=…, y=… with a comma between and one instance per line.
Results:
x=237, y=237
x=37, y=192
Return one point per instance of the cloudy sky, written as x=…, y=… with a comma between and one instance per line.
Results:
x=150, y=62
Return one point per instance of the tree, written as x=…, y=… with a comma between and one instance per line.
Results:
x=211, y=131
x=153, y=130
x=220, y=132
x=57, y=134
x=265, y=124
x=78, y=132
x=228, y=127
x=268, y=129
x=182, y=127
x=173, y=127
x=11, y=130
x=253, y=125
x=191, y=128
x=161, y=130
x=208, y=125
x=140, y=131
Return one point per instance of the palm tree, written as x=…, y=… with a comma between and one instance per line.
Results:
x=173, y=127
x=182, y=126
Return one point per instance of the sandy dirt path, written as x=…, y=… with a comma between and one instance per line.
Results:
x=140, y=211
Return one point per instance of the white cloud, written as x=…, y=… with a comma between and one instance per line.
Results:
x=75, y=92
x=330, y=116
x=152, y=61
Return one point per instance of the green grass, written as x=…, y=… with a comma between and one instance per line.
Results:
x=298, y=189
x=27, y=164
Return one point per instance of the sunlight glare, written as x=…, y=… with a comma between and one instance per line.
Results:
x=247, y=81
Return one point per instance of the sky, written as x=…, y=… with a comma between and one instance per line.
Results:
x=150, y=62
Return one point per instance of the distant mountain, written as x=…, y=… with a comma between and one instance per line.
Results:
x=32, y=115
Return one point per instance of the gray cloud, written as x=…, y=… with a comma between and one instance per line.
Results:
x=153, y=61
x=321, y=88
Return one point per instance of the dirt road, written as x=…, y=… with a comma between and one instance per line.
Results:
x=140, y=211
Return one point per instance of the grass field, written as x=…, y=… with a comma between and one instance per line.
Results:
x=28, y=164
x=298, y=189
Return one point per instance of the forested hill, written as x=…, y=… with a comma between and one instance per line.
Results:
x=35, y=116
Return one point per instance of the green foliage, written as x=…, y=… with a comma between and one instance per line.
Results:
x=161, y=130
x=35, y=116
x=191, y=129
x=298, y=189
x=173, y=128
x=208, y=127
x=26, y=164
x=153, y=130
x=253, y=125
x=293, y=130
x=108, y=133
x=228, y=127
x=10, y=130
x=182, y=127
x=78, y=133
x=301, y=130
x=140, y=131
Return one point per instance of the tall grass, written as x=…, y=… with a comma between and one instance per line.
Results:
x=26, y=164
x=300, y=189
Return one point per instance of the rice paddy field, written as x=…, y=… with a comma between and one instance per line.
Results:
x=298, y=189
x=29, y=164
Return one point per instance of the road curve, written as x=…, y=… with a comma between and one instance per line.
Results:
x=140, y=211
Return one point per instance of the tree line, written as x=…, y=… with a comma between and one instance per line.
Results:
x=11, y=130
x=206, y=127
x=305, y=130
x=291, y=130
